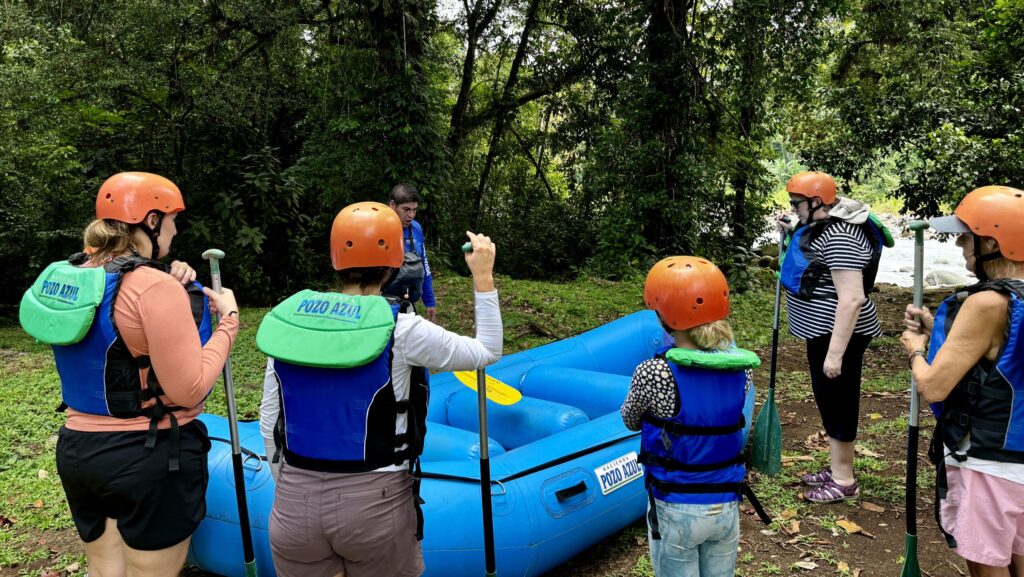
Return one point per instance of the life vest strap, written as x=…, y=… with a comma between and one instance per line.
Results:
x=673, y=465
x=680, y=429
x=741, y=488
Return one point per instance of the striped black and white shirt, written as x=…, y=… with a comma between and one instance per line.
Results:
x=841, y=246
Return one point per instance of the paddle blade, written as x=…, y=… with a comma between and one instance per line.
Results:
x=910, y=565
x=497, y=391
x=767, y=451
x=250, y=569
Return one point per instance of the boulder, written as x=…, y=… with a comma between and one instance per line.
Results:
x=945, y=278
x=771, y=250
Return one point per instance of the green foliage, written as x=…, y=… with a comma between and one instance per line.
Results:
x=584, y=136
x=741, y=269
x=925, y=89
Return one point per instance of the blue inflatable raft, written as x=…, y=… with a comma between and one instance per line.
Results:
x=563, y=466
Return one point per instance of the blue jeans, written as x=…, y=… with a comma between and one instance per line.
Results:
x=696, y=540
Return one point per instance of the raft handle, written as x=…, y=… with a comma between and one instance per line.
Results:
x=569, y=492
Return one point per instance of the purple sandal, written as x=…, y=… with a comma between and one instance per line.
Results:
x=817, y=479
x=831, y=492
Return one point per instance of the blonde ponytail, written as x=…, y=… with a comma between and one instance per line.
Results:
x=712, y=336
x=105, y=239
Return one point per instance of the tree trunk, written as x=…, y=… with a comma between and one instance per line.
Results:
x=505, y=106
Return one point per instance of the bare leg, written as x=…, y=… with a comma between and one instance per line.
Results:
x=1017, y=566
x=106, y=554
x=841, y=454
x=979, y=570
x=163, y=563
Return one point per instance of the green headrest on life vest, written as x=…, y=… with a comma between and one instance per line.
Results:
x=730, y=360
x=60, y=306
x=329, y=330
x=887, y=239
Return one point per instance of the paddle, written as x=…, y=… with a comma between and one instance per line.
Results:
x=495, y=390
x=485, y=473
x=214, y=256
x=767, y=450
x=911, y=568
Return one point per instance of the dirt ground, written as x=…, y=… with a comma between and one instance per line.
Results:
x=816, y=544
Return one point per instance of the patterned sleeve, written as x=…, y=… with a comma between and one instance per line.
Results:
x=844, y=246
x=652, y=390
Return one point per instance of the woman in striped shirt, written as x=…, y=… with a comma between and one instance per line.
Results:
x=828, y=272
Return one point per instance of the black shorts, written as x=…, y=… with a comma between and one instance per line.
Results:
x=838, y=399
x=113, y=475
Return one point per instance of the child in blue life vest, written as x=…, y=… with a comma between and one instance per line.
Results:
x=689, y=402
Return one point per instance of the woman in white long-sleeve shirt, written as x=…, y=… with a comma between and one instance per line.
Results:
x=345, y=496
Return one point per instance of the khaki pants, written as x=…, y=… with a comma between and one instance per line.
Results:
x=362, y=524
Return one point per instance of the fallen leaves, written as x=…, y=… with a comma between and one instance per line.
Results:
x=875, y=416
x=852, y=528
x=788, y=514
x=37, y=505
x=807, y=565
x=843, y=567
x=865, y=452
x=6, y=521
x=872, y=507
x=42, y=474
x=817, y=441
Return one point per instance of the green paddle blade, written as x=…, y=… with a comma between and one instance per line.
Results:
x=910, y=565
x=767, y=450
x=250, y=569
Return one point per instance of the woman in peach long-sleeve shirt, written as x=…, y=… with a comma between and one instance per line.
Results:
x=137, y=492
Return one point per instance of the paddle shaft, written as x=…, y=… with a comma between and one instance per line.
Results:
x=248, y=552
x=775, y=321
x=485, y=474
x=912, y=430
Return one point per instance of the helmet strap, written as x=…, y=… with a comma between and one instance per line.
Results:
x=153, y=232
x=812, y=208
x=981, y=259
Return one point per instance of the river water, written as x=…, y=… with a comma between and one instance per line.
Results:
x=897, y=265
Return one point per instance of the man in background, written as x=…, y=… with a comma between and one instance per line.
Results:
x=413, y=280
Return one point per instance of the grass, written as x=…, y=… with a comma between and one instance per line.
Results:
x=534, y=313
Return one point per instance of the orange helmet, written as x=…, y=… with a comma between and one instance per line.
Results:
x=130, y=196
x=366, y=234
x=813, y=185
x=687, y=291
x=995, y=211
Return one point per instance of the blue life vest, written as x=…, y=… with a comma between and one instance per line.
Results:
x=98, y=374
x=407, y=284
x=988, y=403
x=343, y=420
x=802, y=271
x=697, y=456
